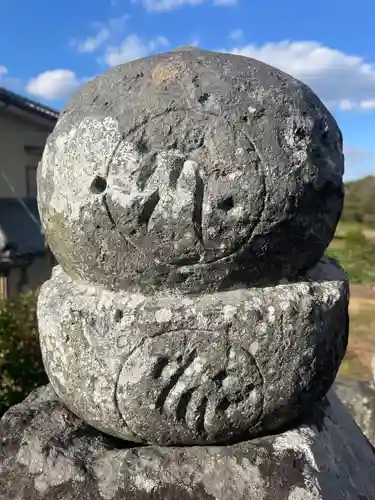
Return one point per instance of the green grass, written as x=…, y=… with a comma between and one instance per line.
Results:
x=354, y=246
x=359, y=203
x=355, y=251
x=21, y=366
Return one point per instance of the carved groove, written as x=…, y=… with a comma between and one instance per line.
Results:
x=113, y=154
x=224, y=404
x=240, y=396
x=115, y=227
x=220, y=377
x=241, y=245
x=160, y=402
x=142, y=145
x=147, y=168
x=181, y=409
x=201, y=413
x=175, y=173
x=198, y=207
x=192, y=405
x=148, y=208
x=106, y=206
x=117, y=390
x=159, y=367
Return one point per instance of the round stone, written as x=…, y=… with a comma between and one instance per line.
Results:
x=193, y=170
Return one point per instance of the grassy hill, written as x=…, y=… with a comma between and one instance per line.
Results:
x=354, y=242
x=360, y=201
x=354, y=246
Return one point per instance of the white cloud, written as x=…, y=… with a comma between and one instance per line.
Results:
x=92, y=43
x=168, y=5
x=346, y=105
x=54, y=85
x=3, y=70
x=104, y=32
x=367, y=104
x=341, y=80
x=133, y=48
x=225, y=2
x=236, y=34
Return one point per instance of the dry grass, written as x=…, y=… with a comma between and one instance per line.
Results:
x=357, y=363
x=354, y=246
x=358, y=258
x=370, y=234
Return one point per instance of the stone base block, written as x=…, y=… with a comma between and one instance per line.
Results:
x=47, y=453
x=359, y=398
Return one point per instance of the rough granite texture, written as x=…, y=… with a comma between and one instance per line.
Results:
x=359, y=398
x=193, y=170
x=47, y=453
x=211, y=368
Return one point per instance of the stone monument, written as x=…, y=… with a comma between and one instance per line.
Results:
x=359, y=397
x=193, y=327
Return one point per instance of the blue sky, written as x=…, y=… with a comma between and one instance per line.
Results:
x=49, y=48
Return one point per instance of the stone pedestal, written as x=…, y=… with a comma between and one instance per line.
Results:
x=359, y=398
x=49, y=454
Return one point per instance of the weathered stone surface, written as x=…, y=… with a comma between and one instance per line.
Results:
x=171, y=368
x=47, y=453
x=191, y=169
x=359, y=398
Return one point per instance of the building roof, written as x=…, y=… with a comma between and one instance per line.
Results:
x=10, y=98
x=20, y=227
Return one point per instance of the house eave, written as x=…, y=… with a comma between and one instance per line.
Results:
x=34, y=108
